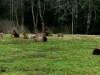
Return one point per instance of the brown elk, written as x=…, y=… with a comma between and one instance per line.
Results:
x=60, y=34
x=39, y=38
x=47, y=32
x=96, y=51
x=14, y=34
x=28, y=36
x=1, y=34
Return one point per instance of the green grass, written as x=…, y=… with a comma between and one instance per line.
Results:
x=68, y=55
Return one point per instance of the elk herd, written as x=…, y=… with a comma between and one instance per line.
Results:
x=41, y=38
x=36, y=36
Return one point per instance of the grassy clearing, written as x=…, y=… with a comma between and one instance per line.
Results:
x=68, y=55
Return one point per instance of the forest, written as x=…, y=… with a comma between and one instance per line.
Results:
x=65, y=16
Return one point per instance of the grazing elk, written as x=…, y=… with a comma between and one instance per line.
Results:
x=14, y=34
x=39, y=38
x=47, y=32
x=96, y=51
x=60, y=34
x=28, y=36
x=1, y=34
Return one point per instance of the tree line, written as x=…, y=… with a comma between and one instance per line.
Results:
x=66, y=16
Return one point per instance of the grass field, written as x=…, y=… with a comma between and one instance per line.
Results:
x=68, y=55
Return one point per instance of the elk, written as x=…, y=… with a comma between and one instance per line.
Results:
x=14, y=34
x=60, y=34
x=1, y=34
x=28, y=36
x=96, y=51
x=39, y=38
x=47, y=32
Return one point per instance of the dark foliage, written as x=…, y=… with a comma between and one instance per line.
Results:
x=55, y=17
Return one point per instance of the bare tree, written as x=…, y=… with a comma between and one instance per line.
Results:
x=89, y=14
x=35, y=18
x=41, y=15
x=15, y=12
x=22, y=15
x=74, y=14
x=11, y=10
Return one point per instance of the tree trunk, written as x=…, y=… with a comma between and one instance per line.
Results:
x=15, y=12
x=76, y=14
x=41, y=16
x=89, y=16
x=36, y=29
x=11, y=10
x=17, y=19
x=72, y=20
x=22, y=16
x=34, y=20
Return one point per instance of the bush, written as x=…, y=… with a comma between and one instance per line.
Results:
x=7, y=26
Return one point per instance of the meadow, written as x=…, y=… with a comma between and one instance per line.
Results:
x=68, y=55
